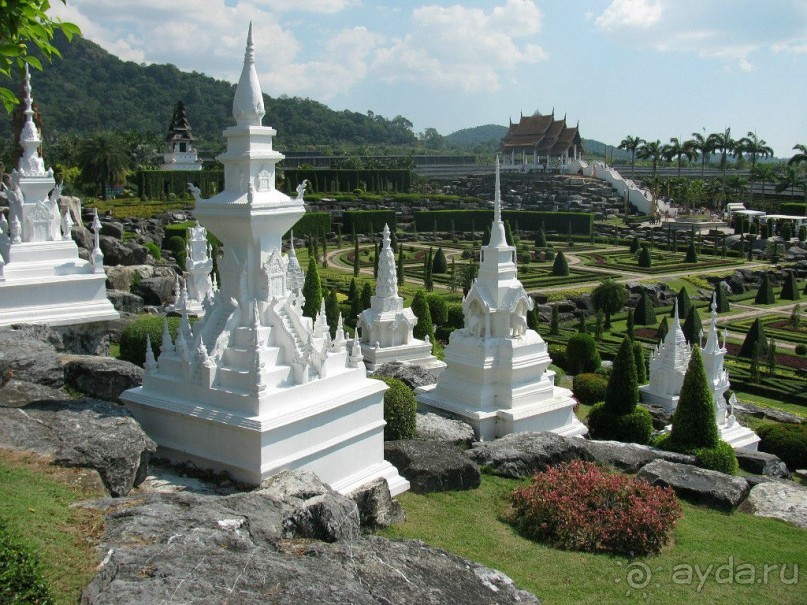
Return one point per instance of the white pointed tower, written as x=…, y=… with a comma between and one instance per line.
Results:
x=42, y=278
x=496, y=377
x=254, y=388
x=386, y=327
x=198, y=284
x=668, y=364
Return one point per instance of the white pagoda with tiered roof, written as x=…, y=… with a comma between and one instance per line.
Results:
x=496, y=377
x=386, y=327
x=255, y=388
x=42, y=278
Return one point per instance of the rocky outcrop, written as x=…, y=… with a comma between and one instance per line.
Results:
x=82, y=433
x=413, y=376
x=431, y=466
x=124, y=301
x=157, y=290
x=118, y=253
x=778, y=499
x=521, y=455
x=17, y=393
x=762, y=463
x=376, y=506
x=29, y=359
x=81, y=339
x=702, y=486
x=630, y=457
x=239, y=549
x=101, y=377
x=432, y=427
x=746, y=408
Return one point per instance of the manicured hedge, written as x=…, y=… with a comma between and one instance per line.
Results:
x=368, y=222
x=528, y=220
x=157, y=184
x=133, y=338
x=589, y=388
x=382, y=180
x=793, y=208
x=788, y=441
x=311, y=223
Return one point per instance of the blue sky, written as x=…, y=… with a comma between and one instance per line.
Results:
x=650, y=68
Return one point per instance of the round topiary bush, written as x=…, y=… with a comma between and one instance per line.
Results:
x=801, y=349
x=133, y=338
x=400, y=410
x=175, y=244
x=581, y=354
x=589, y=388
x=558, y=355
x=788, y=441
x=580, y=506
x=635, y=427
x=719, y=458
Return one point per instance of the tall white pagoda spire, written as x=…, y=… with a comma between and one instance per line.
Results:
x=387, y=281
x=31, y=163
x=248, y=107
x=498, y=238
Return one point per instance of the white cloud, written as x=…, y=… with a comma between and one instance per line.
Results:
x=630, y=13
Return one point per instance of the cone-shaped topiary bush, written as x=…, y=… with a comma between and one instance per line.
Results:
x=641, y=364
x=581, y=354
x=644, y=257
x=663, y=328
x=540, y=238
x=366, y=296
x=439, y=264
x=629, y=324
x=622, y=395
x=312, y=290
x=790, y=289
x=560, y=267
x=692, y=254
x=755, y=335
x=684, y=303
x=765, y=293
x=424, y=325
x=692, y=326
x=634, y=244
x=645, y=313
x=554, y=322
x=721, y=298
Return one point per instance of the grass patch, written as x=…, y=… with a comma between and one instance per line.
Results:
x=35, y=500
x=470, y=524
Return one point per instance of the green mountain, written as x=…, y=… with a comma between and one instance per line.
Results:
x=479, y=135
x=89, y=90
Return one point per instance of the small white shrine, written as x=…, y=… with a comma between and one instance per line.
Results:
x=194, y=293
x=386, y=327
x=255, y=387
x=42, y=278
x=496, y=377
x=668, y=365
x=181, y=153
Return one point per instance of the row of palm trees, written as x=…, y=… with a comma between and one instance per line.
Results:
x=701, y=146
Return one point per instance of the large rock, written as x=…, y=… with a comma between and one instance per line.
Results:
x=432, y=427
x=413, y=376
x=630, y=457
x=187, y=548
x=377, y=508
x=112, y=229
x=28, y=359
x=121, y=277
x=157, y=290
x=431, y=466
x=661, y=419
x=699, y=485
x=521, y=455
x=124, y=301
x=778, y=499
x=82, y=433
x=101, y=377
x=762, y=463
x=91, y=338
x=17, y=393
x=747, y=408
x=117, y=253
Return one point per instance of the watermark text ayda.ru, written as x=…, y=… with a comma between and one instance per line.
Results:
x=640, y=576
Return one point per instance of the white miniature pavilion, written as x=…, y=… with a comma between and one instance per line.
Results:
x=195, y=292
x=181, y=153
x=42, y=278
x=668, y=365
x=496, y=377
x=386, y=327
x=255, y=388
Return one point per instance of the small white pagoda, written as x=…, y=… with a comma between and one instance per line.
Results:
x=255, y=388
x=386, y=327
x=42, y=278
x=496, y=377
x=181, y=153
x=194, y=293
x=668, y=365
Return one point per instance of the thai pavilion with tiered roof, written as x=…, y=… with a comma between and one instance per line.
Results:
x=543, y=139
x=181, y=152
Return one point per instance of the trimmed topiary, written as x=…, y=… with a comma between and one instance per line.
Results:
x=312, y=290
x=636, y=427
x=788, y=441
x=693, y=423
x=684, y=303
x=581, y=354
x=634, y=244
x=400, y=410
x=662, y=330
x=790, y=289
x=645, y=312
x=366, y=296
x=765, y=293
x=756, y=335
x=692, y=253
x=629, y=324
x=693, y=326
x=133, y=338
x=589, y=388
x=560, y=267
x=424, y=326
x=721, y=298
x=554, y=322
x=174, y=244
x=623, y=391
x=439, y=264
x=438, y=309
x=644, y=257
x=558, y=355
x=641, y=364
x=540, y=238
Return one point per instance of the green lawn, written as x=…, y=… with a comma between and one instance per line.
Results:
x=469, y=524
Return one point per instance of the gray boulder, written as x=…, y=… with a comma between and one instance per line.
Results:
x=112, y=229
x=377, y=508
x=117, y=253
x=431, y=466
x=778, y=499
x=17, y=393
x=413, y=376
x=83, y=237
x=630, y=457
x=101, y=377
x=702, y=486
x=120, y=277
x=746, y=408
x=30, y=360
x=521, y=455
x=762, y=463
x=124, y=301
x=660, y=418
x=432, y=427
x=82, y=433
x=157, y=290
x=91, y=338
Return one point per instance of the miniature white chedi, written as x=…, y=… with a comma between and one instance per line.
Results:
x=496, y=377
x=254, y=388
x=42, y=278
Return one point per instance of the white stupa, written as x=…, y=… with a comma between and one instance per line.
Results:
x=496, y=377
x=255, y=388
x=194, y=293
x=668, y=365
x=386, y=327
x=42, y=278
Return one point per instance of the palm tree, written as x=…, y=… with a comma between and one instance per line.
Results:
x=791, y=178
x=650, y=151
x=678, y=149
x=103, y=160
x=702, y=145
x=753, y=146
x=799, y=157
x=609, y=297
x=764, y=173
x=722, y=142
x=631, y=143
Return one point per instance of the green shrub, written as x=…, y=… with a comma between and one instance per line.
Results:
x=400, y=410
x=801, y=349
x=560, y=267
x=755, y=336
x=641, y=363
x=20, y=576
x=645, y=313
x=455, y=316
x=719, y=458
x=133, y=338
x=692, y=326
x=154, y=250
x=439, y=264
x=589, y=388
x=558, y=355
x=581, y=354
x=636, y=427
x=692, y=254
x=420, y=308
x=790, y=289
x=765, y=293
x=559, y=372
x=693, y=423
x=644, y=257
x=788, y=441
x=438, y=309
x=175, y=244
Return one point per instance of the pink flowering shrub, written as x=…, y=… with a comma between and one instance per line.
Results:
x=579, y=506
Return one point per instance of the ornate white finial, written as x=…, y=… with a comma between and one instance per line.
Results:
x=714, y=305
x=151, y=363
x=248, y=107
x=497, y=196
x=676, y=321
x=498, y=238
x=167, y=346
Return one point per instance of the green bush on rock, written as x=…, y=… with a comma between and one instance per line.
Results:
x=400, y=410
x=788, y=441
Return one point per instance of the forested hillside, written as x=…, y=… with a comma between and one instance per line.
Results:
x=89, y=90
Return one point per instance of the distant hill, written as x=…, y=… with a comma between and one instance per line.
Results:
x=478, y=135
x=89, y=90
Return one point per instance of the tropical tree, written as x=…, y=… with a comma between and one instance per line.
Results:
x=631, y=143
x=722, y=142
x=103, y=160
x=792, y=178
x=764, y=173
x=609, y=297
x=678, y=149
x=702, y=145
x=800, y=157
x=651, y=151
x=753, y=146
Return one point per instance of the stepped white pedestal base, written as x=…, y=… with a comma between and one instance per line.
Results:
x=735, y=434
x=416, y=353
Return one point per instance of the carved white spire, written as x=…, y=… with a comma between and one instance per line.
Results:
x=387, y=282
x=151, y=363
x=31, y=163
x=248, y=107
x=498, y=239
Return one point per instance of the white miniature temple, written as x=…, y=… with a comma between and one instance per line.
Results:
x=181, y=153
x=195, y=292
x=668, y=365
x=386, y=327
x=497, y=378
x=255, y=388
x=42, y=278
